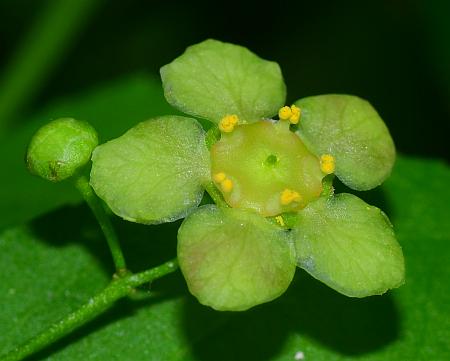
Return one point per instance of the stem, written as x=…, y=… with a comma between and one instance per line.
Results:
x=327, y=186
x=83, y=186
x=212, y=136
x=215, y=194
x=117, y=289
x=40, y=51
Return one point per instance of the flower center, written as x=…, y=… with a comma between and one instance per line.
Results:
x=265, y=167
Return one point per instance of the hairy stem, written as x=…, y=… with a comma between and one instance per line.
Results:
x=83, y=186
x=96, y=305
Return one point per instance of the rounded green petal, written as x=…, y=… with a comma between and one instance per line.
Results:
x=234, y=259
x=348, y=128
x=213, y=79
x=60, y=148
x=349, y=245
x=154, y=172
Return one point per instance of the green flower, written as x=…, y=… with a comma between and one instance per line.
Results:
x=271, y=180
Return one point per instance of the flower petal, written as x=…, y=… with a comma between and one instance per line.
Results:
x=348, y=128
x=234, y=259
x=349, y=245
x=214, y=79
x=154, y=172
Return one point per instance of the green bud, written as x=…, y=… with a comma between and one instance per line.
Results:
x=59, y=148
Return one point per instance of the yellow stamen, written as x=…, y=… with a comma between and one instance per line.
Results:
x=280, y=221
x=288, y=196
x=285, y=113
x=296, y=113
x=228, y=122
x=327, y=163
x=219, y=177
x=291, y=113
x=226, y=185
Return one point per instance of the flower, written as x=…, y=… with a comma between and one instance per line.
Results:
x=271, y=180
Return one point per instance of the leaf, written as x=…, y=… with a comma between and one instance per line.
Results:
x=350, y=129
x=155, y=172
x=55, y=264
x=234, y=259
x=111, y=109
x=349, y=245
x=213, y=79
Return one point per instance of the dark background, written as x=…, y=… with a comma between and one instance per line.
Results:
x=395, y=53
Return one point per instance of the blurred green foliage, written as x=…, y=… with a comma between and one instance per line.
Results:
x=393, y=53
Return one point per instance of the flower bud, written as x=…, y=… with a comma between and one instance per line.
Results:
x=59, y=148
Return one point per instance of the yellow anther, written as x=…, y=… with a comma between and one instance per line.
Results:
x=327, y=163
x=228, y=122
x=296, y=113
x=288, y=196
x=291, y=113
x=285, y=113
x=280, y=221
x=226, y=185
x=219, y=177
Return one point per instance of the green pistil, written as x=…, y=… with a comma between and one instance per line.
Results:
x=262, y=160
x=271, y=160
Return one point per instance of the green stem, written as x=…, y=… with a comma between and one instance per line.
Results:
x=83, y=186
x=117, y=289
x=327, y=186
x=215, y=194
x=212, y=136
x=44, y=46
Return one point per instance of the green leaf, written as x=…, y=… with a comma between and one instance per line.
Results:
x=214, y=79
x=57, y=263
x=349, y=245
x=233, y=259
x=155, y=172
x=418, y=197
x=111, y=108
x=348, y=128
